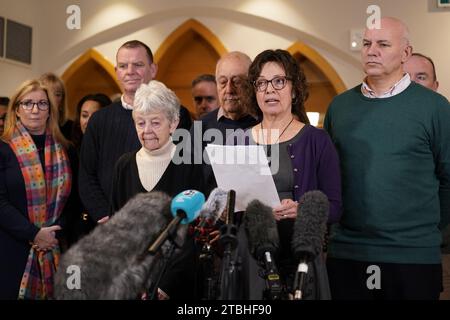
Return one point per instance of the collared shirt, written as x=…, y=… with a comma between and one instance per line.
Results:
x=397, y=88
x=220, y=114
x=125, y=105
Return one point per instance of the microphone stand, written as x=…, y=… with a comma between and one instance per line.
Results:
x=228, y=238
x=228, y=271
x=162, y=270
x=206, y=279
x=273, y=290
x=207, y=266
x=300, y=275
x=163, y=263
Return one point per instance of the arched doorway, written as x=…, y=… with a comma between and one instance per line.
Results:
x=323, y=81
x=90, y=73
x=190, y=50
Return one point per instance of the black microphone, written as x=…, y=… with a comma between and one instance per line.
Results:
x=231, y=201
x=109, y=263
x=228, y=232
x=230, y=261
x=309, y=233
x=263, y=242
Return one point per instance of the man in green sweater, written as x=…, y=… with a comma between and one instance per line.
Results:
x=393, y=139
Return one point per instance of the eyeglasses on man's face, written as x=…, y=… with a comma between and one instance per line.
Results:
x=278, y=83
x=28, y=105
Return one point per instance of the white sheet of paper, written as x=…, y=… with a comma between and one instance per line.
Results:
x=244, y=169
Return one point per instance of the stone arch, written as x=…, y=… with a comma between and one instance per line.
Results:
x=320, y=62
x=232, y=15
x=324, y=83
x=89, y=73
x=190, y=50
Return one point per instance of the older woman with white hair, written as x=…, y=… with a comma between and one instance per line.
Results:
x=156, y=115
x=152, y=168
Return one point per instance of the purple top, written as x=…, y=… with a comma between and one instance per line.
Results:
x=315, y=166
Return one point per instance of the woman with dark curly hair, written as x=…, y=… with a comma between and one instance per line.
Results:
x=305, y=157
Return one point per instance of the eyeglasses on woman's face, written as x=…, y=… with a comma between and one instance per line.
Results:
x=28, y=105
x=278, y=83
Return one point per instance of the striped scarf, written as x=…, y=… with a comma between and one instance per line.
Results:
x=46, y=196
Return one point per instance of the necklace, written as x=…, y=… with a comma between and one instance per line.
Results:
x=282, y=132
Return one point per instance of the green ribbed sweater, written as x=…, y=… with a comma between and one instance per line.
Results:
x=395, y=164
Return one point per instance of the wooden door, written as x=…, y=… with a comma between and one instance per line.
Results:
x=90, y=73
x=189, y=51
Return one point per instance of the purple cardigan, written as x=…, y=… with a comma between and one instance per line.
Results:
x=315, y=165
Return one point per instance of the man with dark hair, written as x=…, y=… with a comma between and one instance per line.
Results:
x=136, y=44
x=4, y=101
x=421, y=70
x=393, y=139
x=111, y=131
x=204, y=94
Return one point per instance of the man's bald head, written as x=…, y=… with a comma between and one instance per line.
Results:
x=236, y=58
x=231, y=69
x=397, y=26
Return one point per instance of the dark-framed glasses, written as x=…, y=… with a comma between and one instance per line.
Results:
x=278, y=83
x=28, y=105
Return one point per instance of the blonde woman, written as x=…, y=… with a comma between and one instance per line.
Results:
x=35, y=183
x=58, y=91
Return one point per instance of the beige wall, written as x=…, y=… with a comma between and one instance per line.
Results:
x=13, y=73
x=250, y=26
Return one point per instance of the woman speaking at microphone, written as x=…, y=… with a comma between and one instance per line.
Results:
x=156, y=115
x=307, y=159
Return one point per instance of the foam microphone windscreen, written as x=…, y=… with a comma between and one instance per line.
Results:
x=111, y=260
x=214, y=205
x=310, y=225
x=261, y=228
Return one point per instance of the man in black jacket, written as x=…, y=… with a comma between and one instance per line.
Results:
x=111, y=132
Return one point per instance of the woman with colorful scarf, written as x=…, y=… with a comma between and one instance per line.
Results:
x=35, y=183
